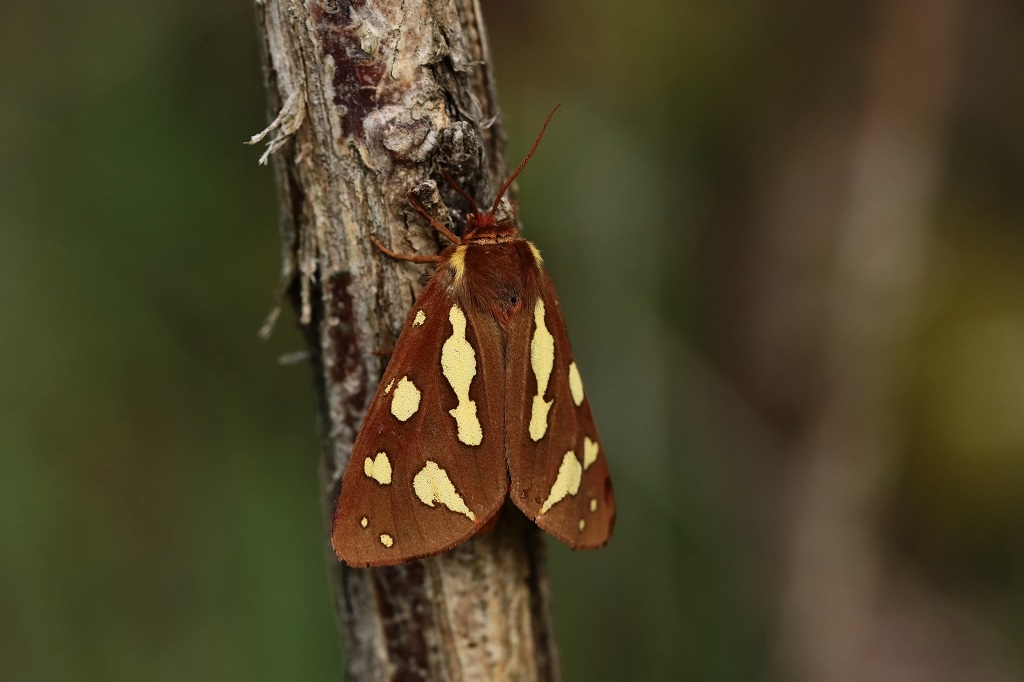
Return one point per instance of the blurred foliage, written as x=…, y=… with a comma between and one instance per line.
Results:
x=159, y=511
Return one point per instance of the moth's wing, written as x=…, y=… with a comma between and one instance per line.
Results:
x=413, y=486
x=559, y=476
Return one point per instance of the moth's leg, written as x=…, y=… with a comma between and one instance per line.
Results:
x=461, y=191
x=437, y=225
x=404, y=256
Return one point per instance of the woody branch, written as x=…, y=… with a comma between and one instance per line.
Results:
x=370, y=98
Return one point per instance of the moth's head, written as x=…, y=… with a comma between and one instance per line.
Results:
x=493, y=223
x=499, y=224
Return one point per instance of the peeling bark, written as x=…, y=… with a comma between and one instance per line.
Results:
x=370, y=98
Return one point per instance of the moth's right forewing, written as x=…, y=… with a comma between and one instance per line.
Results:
x=558, y=470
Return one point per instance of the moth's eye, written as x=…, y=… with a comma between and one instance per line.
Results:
x=513, y=298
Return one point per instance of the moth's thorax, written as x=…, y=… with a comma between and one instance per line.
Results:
x=499, y=275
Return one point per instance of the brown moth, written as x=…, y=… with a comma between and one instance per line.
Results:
x=481, y=401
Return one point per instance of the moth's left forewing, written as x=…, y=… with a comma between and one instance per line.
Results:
x=558, y=473
x=427, y=469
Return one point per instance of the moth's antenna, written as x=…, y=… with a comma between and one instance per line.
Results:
x=526, y=160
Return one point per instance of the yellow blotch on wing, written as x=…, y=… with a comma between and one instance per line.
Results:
x=457, y=262
x=590, y=450
x=420, y=318
x=542, y=360
x=432, y=484
x=567, y=482
x=536, y=253
x=387, y=389
x=386, y=540
x=593, y=504
x=458, y=363
x=575, y=384
x=364, y=521
x=583, y=524
x=406, y=399
x=379, y=469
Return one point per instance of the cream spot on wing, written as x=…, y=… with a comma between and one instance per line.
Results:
x=378, y=469
x=583, y=524
x=420, y=318
x=406, y=399
x=536, y=253
x=364, y=521
x=458, y=363
x=542, y=360
x=593, y=504
x=457, y=262
x=567, y=482
x=575, y=384
x=387, y=389
x=590, y=450
x=433, y=485
x=386, y=540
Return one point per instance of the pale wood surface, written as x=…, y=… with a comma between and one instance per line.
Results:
x=369, y=99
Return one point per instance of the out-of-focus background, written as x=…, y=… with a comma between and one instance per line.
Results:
x=789, y=241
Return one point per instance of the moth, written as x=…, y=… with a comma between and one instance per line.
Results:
x=481, y=401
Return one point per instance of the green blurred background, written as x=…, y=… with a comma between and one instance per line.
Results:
x=788, y=239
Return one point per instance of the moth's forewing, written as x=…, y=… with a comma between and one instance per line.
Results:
x=430, y=490
x=559, y=475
